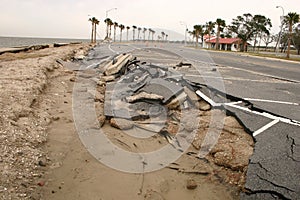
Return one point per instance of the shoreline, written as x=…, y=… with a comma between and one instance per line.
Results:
x=25, y=117
x=12, y=42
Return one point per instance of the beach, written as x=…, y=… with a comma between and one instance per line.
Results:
x=25, y=115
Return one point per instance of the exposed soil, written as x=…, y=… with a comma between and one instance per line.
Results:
x=42, y=156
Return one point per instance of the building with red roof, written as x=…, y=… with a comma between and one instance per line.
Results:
x=228, y=44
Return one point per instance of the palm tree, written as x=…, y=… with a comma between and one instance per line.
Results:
x=92, y=36
x=139, y=30
x=107, y=22
x=128, y=27
x=193, y=34
x=163, y=35
x=95, y=22
x=133, y=31
x=220, y=25
x=115, y=27
x=291, y=19
x=197, y=31
x=144, y=32
x=122, y=27
x=209, y=27
x=150, y=31
x=110, y=25
x=153, y=32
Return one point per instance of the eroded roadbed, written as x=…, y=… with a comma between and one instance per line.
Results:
x=156, y=101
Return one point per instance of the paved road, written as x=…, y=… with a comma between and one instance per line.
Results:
x=273, y=89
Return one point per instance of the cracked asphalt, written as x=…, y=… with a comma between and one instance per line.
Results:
x=271, y=90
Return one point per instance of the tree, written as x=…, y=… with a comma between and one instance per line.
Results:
x=153, y=32
x=268, y=38
x=139, y=31
x=110, y=24
x=243, y=27
x=261, y=25
x=95, y=22
x=198, y=29
x=93, y=27
x=107, y=21
x=193, y=34
x=209, y=27
x=122, y=27
x=162, y=35
x=149, y=33
x=144, y=32
x=133, y=31
x=296, y=39
x=290, y=19
x=115, y=27
x=167, y=37
x=220, y=25
x=127, y=27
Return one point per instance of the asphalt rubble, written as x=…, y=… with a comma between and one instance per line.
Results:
x=158, y=99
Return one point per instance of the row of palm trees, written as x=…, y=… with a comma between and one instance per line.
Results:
x=208, y=29
x=115, y=25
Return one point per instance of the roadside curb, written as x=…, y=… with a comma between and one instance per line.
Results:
x=269, y=58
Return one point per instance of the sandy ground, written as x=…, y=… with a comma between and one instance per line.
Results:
x=42, y=157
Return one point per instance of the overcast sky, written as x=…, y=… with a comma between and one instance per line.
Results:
x=69, y=18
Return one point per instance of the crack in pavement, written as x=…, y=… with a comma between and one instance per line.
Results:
x=271, y=192
x=274, y=184
x=261, y=166
x=293, y=144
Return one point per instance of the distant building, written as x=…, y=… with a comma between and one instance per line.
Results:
x=227, y=44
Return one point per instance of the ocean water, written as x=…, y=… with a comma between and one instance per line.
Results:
x=26, y=41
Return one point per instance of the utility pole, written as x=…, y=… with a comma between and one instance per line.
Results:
x=185, y=31
x=109, y=11
x=281, y=26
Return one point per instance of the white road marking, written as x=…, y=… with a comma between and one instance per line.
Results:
x=268, y=115
x=133, y=46
x=109, y=47
x=207, y=99
x=265, y=127
x=272, y=101
x=233, y=103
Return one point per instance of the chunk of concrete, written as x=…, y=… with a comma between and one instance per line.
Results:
x=144, y=96
x=164, y=88
x=115, y=68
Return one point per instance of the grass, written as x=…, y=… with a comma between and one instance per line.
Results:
x=272, y=56
x=255, y=54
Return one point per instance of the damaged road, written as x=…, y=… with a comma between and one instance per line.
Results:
x=273, y=171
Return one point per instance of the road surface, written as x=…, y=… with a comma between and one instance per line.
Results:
x=272, y=116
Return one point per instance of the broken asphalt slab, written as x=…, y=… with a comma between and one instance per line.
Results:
x=163, y=88
x=274, y=169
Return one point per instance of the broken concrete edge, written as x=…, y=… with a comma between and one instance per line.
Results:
x=34, y=47
x=115, y=65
